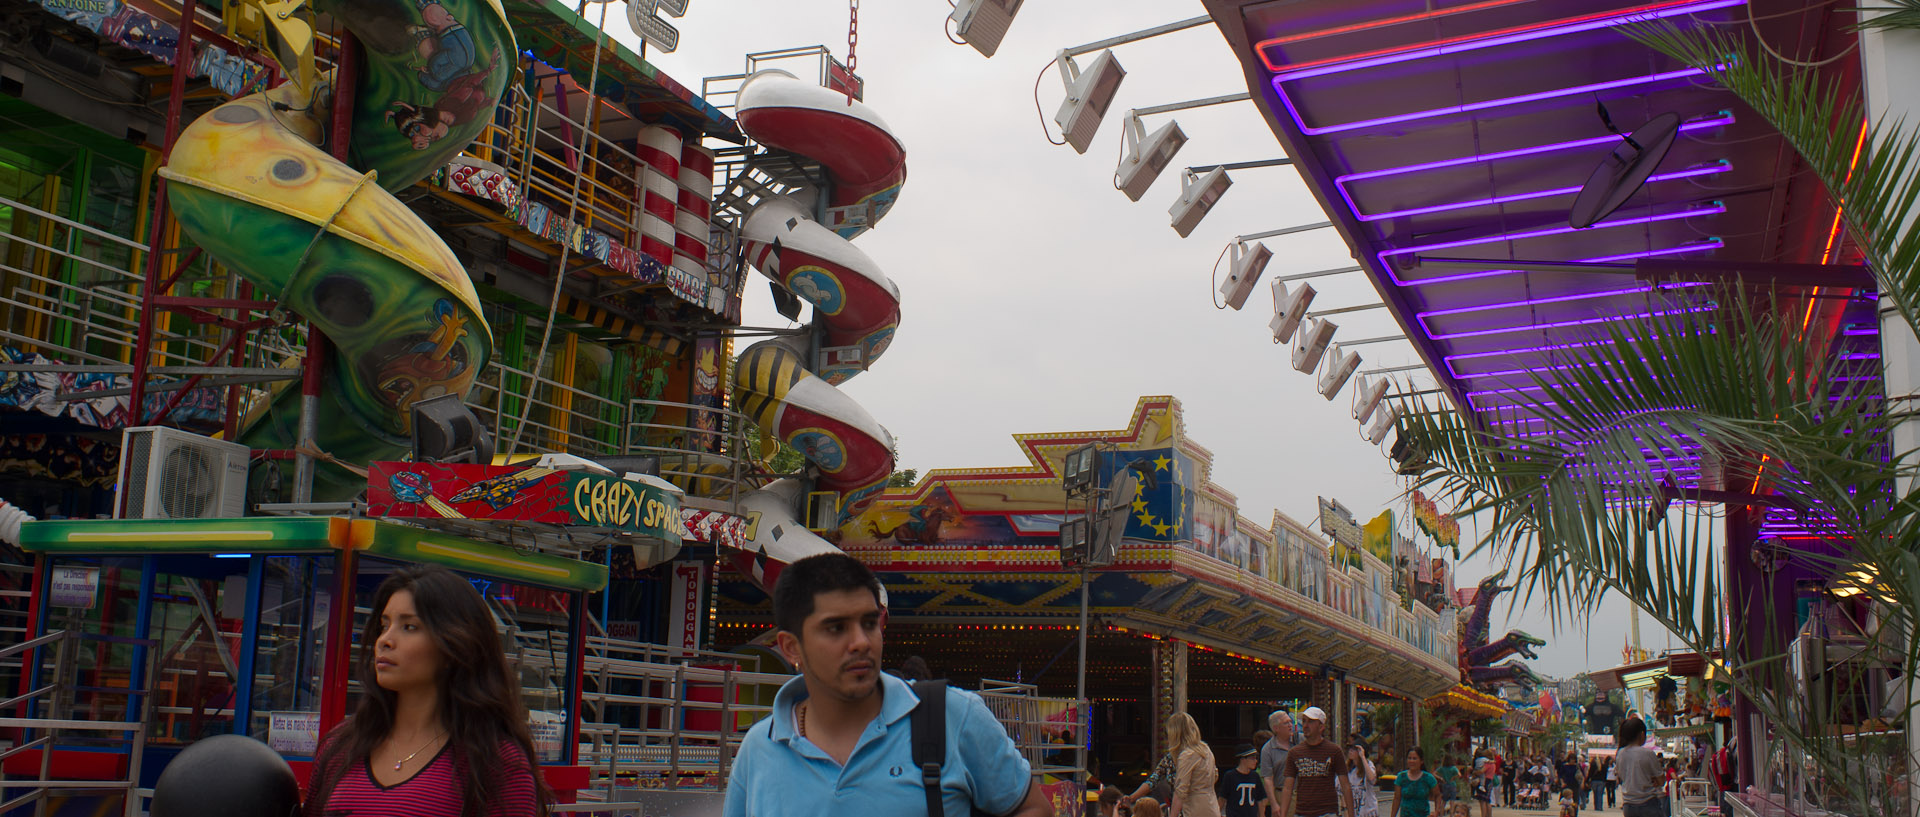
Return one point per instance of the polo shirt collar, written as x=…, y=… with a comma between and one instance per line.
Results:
x=897, y=702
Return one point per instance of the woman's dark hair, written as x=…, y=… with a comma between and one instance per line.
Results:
x=479, y=696
x=1415, y=751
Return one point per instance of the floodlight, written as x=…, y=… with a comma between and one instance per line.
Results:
x=1408, y=459
x=1076, y=537
x=1197, y=196
x=1076, y=469
x=1383, y=421
x=1289, y=308
x=1367, y=396
x=1311, y=344
x=446, y=430
x=1089, y=94
x=983, y=23
x=1146, y=155
x=1246, y=269
x=1339, y=368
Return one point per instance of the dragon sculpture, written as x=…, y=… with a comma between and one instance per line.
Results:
x=1511, y=673
x=1515, y=642
x=1475, y=634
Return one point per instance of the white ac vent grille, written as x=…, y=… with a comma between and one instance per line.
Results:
x=166, y=473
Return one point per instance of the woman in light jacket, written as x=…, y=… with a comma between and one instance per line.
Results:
x=1195, y=774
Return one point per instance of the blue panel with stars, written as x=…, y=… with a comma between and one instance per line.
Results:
x=1164, y=512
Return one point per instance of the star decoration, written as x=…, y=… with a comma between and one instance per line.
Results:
x=1162, y=463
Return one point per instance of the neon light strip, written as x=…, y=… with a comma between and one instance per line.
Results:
x=1433, y=14
x=1553, y=347
x=1718, y=120
x=1714, y=209
x=1471, y=107
x=1479, y=333
x=1690, y=173
x=1473, y=42
x=172, y=536
x=1698, y=246
x=1605, y=293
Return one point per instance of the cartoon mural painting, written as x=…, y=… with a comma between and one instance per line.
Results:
x=924, y=521
x=444, y=46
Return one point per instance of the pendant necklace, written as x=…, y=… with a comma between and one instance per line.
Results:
x=416, y=753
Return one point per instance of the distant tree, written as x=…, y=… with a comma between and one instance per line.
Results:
x=904, y=478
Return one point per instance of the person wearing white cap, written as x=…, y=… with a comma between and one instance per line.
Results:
x=1316, y=773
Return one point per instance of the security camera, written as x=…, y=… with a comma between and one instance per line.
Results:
x=983, y=23
x=1247, y=266
x=1367, y=396
x=1197, y=196
x=1089, y=94
x=1312, y=344
x=1288, y=309
x=1339, y=367
x=1383, y=421
x=1147, y=154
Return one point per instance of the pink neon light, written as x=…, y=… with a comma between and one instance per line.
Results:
x=1478, y=333
x=1579, y=296
x=1700, y=246
x=1471, y=107
x=1690, y=173
x=1717, y=120
x=1473, y=42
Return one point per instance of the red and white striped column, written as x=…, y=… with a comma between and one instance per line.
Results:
x=695, y=212
x=659, y=149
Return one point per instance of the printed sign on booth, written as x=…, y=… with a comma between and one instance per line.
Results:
x=74, y=587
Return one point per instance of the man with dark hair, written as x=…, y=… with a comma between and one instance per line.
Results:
x=1642, y=780
x=840, y=737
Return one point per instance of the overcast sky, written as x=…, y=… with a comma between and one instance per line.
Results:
x=1035, y=297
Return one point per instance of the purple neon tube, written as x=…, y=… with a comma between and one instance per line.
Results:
x=1509, y=39
x=1471, y=107
x=1714, y=209
x=1689, y=173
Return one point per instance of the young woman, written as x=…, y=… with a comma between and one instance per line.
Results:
x=1195, y=774
x=439, y=731
x=1363, y=781
x=1449, y=775
x=1415, y=792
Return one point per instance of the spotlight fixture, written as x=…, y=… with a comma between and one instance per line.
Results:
x=1246, y=269
x=1089, y=94
x=1147, y=154
x=1383, y=421
x=1367, y=396
x=1408, y=459
x=1077, y=469
x=983, y=23
x=1289, y=308
x=446, y=430
x=1198, y=193
x=1339, y=368
x=1311, y=344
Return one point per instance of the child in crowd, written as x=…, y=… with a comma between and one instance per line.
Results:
x=1568, y=808
x=1146, y=807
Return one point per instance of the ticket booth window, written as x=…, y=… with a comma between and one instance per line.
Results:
x=94, y=596
x=290, y=649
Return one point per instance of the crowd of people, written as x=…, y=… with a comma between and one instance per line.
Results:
x=1283, y=776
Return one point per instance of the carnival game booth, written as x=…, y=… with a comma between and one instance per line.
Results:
x=197, y=627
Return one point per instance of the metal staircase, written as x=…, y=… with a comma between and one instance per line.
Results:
x=45, y=723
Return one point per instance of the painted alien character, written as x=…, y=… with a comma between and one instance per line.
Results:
x=427, y=369
x=444, y=44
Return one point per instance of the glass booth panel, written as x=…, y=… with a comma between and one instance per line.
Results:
x=197, y=610
x=290, y=650
x=94, y=596
x=535, y=633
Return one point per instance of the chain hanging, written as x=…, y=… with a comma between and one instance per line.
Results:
x=853, y=42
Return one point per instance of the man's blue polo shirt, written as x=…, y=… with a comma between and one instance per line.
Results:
x=779, y=773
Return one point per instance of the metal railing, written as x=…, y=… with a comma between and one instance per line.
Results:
x=657, y=717
x=705, y=450
x=1046, y=731
x=43, y=730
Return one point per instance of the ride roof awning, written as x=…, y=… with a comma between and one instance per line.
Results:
x=1447, y=140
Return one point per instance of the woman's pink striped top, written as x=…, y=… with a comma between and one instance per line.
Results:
x=434, y=791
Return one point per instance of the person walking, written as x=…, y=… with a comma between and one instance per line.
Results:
x=1273, y=754
x=1613, y=781
x=841, y=731
x=1240, y=789
x=1194, y=772
x=1449, y=774
x=1316, y=773
x=439, y=730
x=1642, y=780
x=1596, y=781
x=1569, y=771
x=1363, y=781
x=1416, y=793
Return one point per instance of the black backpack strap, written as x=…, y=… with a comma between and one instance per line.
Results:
x=929, y=724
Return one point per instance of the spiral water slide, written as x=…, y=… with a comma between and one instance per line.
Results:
x=856, y=308
x=251, y=184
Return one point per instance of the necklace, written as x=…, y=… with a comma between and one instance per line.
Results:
x=416, y=753
x=800, y=713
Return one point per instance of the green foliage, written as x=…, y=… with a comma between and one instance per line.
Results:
x=903, y=478
x=1755, y=396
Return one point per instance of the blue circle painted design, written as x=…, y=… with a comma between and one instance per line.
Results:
x=820, y=288
x=876, y=344
x=821, y=448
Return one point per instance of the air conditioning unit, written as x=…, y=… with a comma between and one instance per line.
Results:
x=166, y=473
